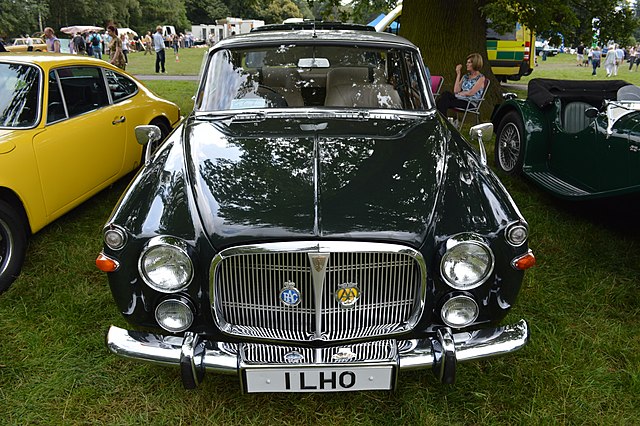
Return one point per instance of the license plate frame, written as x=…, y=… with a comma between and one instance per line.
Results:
x=319, y=378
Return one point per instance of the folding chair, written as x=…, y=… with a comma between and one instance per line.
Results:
x=436, y=84
x=473, y=107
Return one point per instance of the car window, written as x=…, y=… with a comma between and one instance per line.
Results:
x=20, y=89
x=120, y=86
x=336, y=76
x=56, y=110
x=83, y=89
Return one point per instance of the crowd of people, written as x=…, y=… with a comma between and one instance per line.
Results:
x=612, y=57
x=115, y=47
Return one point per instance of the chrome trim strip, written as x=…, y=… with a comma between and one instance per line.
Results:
x=221, y=357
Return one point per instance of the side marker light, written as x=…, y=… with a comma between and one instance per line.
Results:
x=525, y=261
x=106, y=264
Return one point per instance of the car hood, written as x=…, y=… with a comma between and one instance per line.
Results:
x=266, y=179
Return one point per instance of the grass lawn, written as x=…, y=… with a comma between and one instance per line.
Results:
x=581, y=300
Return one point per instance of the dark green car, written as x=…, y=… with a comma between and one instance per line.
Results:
x=576, y=139
x=315, y=224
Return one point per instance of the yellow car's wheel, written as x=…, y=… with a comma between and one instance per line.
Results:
x=13, y=245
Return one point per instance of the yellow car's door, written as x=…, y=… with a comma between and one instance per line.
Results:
x=82, y=146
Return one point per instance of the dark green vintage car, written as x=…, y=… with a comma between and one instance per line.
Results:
x=315, y=224
x=576, y=139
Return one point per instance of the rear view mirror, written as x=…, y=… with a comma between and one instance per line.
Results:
x=591, y=112
x=313, y=63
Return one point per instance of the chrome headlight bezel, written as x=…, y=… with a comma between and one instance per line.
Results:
x=447, y=306
x=114, y=237
x=188, y=309
x=176, y=246
x=516, y=234
x=470, y=242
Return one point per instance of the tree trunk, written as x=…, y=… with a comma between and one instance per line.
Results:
x=446, y=31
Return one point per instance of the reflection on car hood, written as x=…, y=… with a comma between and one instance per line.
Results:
x=268, y=179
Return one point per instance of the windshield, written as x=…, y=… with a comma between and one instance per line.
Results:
x=291, y=76
x=20, y=87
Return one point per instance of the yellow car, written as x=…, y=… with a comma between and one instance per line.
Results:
x=66, y=132
x=20, y=45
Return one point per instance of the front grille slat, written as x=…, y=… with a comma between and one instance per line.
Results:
x=247, y=284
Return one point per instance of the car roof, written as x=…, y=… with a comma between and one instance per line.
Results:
x=46, y=60
x=278, y=35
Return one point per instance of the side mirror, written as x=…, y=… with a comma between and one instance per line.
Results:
x=591, y=112
x=509, y=95
x=483, y=133
x=146, y=136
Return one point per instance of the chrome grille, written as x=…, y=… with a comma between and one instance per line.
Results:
x=378, y=351
x=248, y=280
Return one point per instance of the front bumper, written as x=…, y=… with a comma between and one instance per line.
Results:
x=194, y=356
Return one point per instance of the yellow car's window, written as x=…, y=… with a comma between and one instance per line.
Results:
x=120, y=86
x=20, y=89
x=83, y=89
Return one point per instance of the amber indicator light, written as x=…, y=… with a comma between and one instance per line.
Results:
x=106, y=264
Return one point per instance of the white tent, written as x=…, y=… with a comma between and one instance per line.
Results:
x=126, y=31
x=80, y=29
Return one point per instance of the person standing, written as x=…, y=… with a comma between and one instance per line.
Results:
x=610, y=60
x=29, y=43
x=125, y=47
x=596, y=55
x=148, y=44
x=580, y=55
x=78, y=44
x=95, y=40
x=158, y=46
x=53, y=42
x=115, y=47
x=619, y=58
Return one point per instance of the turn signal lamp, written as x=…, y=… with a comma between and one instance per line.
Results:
x=525, y=261
x=106, y=264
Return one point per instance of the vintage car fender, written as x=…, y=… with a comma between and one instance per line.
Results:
x=536, y=126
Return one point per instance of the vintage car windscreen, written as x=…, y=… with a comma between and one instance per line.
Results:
x=20, y=88
x=293, y=76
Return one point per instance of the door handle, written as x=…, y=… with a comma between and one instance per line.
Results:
x=122, y=119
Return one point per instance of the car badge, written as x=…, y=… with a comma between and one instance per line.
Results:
x=348, y=294
x=319, y=260
x=343, y=354
x=290, y=295
x=293, y=357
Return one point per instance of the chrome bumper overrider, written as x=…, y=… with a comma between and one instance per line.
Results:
x=195, y=356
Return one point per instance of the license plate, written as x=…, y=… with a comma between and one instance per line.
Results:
x=319, y=379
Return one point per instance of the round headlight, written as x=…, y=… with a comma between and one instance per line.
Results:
x=115, y=238
x=165, y=265
x=174, y=315
x=517, y=234
x=467, y=264
x=459, y=311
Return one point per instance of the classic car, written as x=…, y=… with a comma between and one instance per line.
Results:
x=67, y=131
x=575, y=139
x=21, y=45
x=315, y=224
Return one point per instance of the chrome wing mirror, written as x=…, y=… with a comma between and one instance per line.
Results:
x=483, y=133
x=147, y=136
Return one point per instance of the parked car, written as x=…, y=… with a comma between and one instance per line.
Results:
x=66, y=132
x=20, y=45
x=315, y=224
x=575, y=139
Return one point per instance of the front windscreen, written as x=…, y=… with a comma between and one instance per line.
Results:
x=294, y=76
x=20, y=88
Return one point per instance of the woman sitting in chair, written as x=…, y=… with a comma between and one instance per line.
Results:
x=468, y=87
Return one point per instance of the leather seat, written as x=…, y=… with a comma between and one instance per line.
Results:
x=360, y=87
x=574, y=119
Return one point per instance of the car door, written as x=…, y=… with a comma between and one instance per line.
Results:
x=585, y=154
x=82, y=145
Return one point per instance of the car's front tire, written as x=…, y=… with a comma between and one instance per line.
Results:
x=13, y=245
x=509, y=149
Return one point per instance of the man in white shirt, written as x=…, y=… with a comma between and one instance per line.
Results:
x=158, y=46
x=29, y=43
